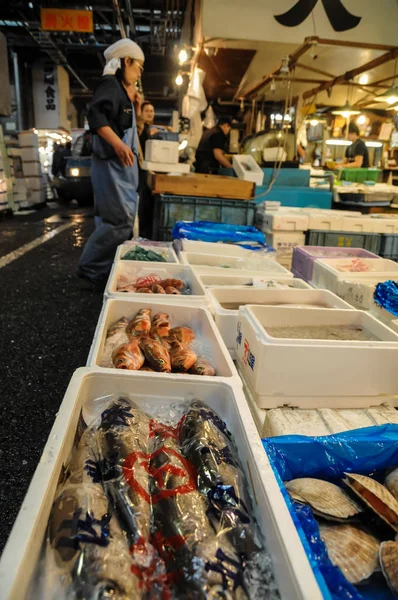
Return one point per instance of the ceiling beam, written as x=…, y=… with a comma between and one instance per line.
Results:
x=365, y=45
x=349, y=75
x=315, y=70
x=293, y=58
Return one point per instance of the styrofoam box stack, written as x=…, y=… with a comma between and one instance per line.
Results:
x=227, y=318
x=293, y=573
x=29, y=143
x=284, y=231
x=253, y=262
x=165, y=249
x=208, y=341
x=329, y=271
x=152, y=272
x=309, y=373
x=159, y=151
x=304, y=257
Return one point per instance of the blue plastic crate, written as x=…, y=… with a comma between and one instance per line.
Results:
x=169, y=209
x=294, y=196
x=389, y=246
x=344, y=239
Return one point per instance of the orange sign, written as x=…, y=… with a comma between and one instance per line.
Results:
x=58, y=19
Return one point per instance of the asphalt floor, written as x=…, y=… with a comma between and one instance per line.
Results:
x=47, y=321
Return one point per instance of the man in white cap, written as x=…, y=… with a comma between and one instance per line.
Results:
x=114, y=167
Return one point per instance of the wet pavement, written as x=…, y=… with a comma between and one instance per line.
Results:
x=47, y=322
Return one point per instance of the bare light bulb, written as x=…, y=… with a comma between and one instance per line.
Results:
x=179, y=80
x=361, y=120
x=314, y=122
x=182, y=56
x=364, y=79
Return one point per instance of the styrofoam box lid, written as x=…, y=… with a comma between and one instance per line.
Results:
x=163, y=250
x=220, y=271
x=375, y=265
x=357, y=224
x=253, y=262
x=292, y=569
x=274, y=316
x=212, y=248
x=386, y=226
x=335, y=252
x=310, y=298
x=220, y=281
x=208, y=341
x=136, y=269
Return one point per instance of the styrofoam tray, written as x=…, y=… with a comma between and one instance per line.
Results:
x=219, y=249
x=227, y=319
x=203, y=270
x=162, y=249
x=249, y=281
x=291, y=566
x=136, y=269
x=316, y=373
x=328, y=271
x=251, y=263
x=208, y=341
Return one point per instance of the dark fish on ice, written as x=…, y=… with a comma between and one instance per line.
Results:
x=182, y=357
x=202, y=367
x=156, y=354
x=184, y=335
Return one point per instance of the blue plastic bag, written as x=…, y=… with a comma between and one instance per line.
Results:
x=369, y=451
x=207, y=231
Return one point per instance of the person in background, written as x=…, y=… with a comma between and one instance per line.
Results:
x=146, y=202
x=65, y=155
x=210, y=153
x=86, y=147
x=56, y=166
x=356, y=155
x=114, y=164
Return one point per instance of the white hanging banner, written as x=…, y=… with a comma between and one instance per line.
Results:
x=290, y=21
x=50, y=95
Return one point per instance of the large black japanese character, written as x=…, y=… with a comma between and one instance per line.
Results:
x=50, y=92
x=339, y=17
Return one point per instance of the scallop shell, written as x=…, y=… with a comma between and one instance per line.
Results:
x=351, y=549
x=391, y=483
x=375, y=495
x=326, y=499
x=389, y=564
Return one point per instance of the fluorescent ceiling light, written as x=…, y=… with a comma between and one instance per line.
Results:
x=336, y=142
x=374, y=144
x=389, y=96
x=346, y=111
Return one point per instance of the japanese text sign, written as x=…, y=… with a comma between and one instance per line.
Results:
x=58, y=19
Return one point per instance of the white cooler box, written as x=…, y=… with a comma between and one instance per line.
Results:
x=151, y=272
x=219, y=249
x=248, y=281
x=262, y=265
x=310, y=373
x=246, y=168
x=207, y=343
x=359, y=293
x=292, y=569
x=328, y=272
x=31, y=168
x=227, y=318
x=165, y=250
x=158, y=151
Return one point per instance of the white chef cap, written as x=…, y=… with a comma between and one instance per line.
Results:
x=121, y=49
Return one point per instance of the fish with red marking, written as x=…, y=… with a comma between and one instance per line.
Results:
x=156, y=354
x=128, y=356
x=140, y=324
x=182, y=357
x=184, y=335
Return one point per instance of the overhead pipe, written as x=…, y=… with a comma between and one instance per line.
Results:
x=17, y=83
x=119, y=18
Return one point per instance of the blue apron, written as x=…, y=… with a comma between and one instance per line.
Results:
x=115, y=194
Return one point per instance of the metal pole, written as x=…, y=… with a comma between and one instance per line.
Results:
x=17, y=84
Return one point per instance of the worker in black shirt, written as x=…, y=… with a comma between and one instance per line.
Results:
x=114, y=165
x=356, y=156
x=210, y=153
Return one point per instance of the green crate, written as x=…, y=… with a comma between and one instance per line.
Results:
x=170, y=209
x=360, y=175
x=344, y=239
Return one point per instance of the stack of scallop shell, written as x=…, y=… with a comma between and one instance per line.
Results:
x=341, y=513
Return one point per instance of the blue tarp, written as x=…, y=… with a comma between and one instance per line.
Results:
x=207, y=231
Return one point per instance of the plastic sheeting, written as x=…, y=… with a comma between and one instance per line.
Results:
x=207, y=231
x=386, y=296
x=369, y=451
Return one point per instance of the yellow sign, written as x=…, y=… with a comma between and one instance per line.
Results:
x=58, y=19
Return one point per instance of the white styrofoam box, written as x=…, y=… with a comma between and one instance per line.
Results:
x=328, y=271
x=316, y=373
x=274, y=154
x=183, y=245
x=386, y=226
x=166, y=251
x=36, y=197
x=246, y=168
x=30, y=154
x=159, y=151
x=357, y=224
x=134, y=269
x=159, y=167
x=28, y=138
x=293, y=573
x=359, y=293
x=285, y=221
x=208, y=341
x=284, y=242
x=31, y=169
x=34, y=183
x=325, y=222
x=220, y=281
x=253, y=262
x=246, y=277
x=227, y=319
x=14, y=152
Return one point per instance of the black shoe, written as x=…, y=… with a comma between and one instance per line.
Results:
x=97, y=284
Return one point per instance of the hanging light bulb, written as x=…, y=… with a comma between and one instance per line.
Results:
x=361, y=120
x=182, y=56
x=390, y=96
x=179, y=80
x=346, y=111
x=364, y=79
x=314, y=122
